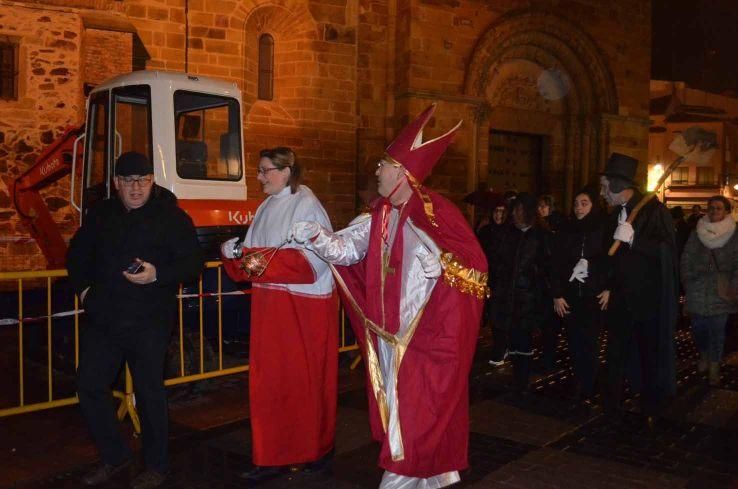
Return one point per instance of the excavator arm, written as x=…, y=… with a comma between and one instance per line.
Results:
x=54, y=163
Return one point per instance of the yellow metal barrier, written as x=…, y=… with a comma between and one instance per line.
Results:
x=127, y=404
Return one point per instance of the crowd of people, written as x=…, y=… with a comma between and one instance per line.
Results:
x=549, y=273
x=416, y=284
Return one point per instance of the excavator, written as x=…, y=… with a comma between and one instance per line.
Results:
x=188, y=126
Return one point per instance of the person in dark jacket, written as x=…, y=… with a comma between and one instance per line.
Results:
x=519, y=278
x=130, y=312
x=578, y=285
x=642, y=310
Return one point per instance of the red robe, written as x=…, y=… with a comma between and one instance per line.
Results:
x=293, y=357
x=432, y=382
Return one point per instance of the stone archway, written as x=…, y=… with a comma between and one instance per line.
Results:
x=538, y=74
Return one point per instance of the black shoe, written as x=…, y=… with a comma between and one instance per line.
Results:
x=323, y=464
x=148, y=479
x=260, y=474
x=102, y=473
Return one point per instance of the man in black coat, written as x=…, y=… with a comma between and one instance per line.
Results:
x=643, y=298
x=126, y=262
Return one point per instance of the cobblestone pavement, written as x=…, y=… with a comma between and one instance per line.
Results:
x=541, y=439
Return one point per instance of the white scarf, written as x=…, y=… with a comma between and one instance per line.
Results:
x=715, y=234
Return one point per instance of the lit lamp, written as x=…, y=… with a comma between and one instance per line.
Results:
x=654, y=174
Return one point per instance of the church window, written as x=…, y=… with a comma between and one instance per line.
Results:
x=266, y=67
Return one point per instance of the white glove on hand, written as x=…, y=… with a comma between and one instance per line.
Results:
x=624, y=232
x=226, y=249
x=431, y=265
x=580, y=271
x=304, y=231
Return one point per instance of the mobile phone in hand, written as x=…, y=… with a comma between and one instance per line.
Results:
x=135, y=267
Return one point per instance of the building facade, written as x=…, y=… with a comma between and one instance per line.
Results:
x=546, y=88
x=676, y=107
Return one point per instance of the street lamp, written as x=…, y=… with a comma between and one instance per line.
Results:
x=654, y=173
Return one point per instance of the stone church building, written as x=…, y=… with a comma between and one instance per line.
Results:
x=546, y=88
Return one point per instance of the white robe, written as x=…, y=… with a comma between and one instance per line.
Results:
x=272, y=226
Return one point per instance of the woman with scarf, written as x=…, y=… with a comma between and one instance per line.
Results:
x=578, y=285
x=709, y=269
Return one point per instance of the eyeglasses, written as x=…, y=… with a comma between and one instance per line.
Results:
x=129, y=181
x=264, y=171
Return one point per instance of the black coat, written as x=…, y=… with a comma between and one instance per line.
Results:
x=519, y=277
x=645, y=282
x=638, y=280
x=111, y=237
x=577, y=239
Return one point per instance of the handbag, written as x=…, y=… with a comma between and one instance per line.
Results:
x=724, y=289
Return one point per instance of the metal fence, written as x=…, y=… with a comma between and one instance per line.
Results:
x=15, y=315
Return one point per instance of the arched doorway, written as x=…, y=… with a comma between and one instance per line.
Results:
x=544, y=87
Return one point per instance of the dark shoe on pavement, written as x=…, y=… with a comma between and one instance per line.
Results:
x=102, y=473
x=323, y=464
x=260, y=474
x=148, y=479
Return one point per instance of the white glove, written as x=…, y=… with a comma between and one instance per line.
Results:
x=624, y=232
x=304, y=231
x=580, y=271
x=227, y=248
x=431, y=265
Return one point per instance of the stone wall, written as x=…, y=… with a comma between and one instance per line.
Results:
x=49, y=99
x=348, y=74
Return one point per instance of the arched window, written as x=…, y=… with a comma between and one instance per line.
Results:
x=266, y=67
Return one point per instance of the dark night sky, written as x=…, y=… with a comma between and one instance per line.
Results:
x=696, y=41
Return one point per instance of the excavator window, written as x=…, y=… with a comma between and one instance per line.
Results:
x=208, y=136
x=96, y=169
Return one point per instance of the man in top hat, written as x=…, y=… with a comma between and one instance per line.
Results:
x=413, y=278
x=126, y=262
x=643, y=295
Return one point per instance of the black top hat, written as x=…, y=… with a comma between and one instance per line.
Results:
x=621, y=166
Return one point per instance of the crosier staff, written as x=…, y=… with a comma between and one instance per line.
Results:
x=694, y=144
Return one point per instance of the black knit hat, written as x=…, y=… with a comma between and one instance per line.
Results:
x=133, y=163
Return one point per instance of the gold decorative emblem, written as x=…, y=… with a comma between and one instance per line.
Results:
x=467, y=280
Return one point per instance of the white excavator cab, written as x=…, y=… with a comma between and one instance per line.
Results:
x=188, y=126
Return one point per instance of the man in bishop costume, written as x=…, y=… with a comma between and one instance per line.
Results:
x=413, y=279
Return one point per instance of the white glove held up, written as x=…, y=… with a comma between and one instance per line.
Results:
x=227, y=248
x=431, y=265
x=304, y=231
x=580, y=271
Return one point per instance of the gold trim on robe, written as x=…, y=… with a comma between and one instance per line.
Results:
x=467, y=280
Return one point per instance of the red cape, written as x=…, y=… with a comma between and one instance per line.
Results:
x=433, y=377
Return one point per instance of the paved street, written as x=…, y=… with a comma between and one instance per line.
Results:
x=538, y=440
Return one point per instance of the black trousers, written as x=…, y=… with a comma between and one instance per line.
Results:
x=519, y=343
x=103, y=349
x=629, y=336
x=583, y=325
